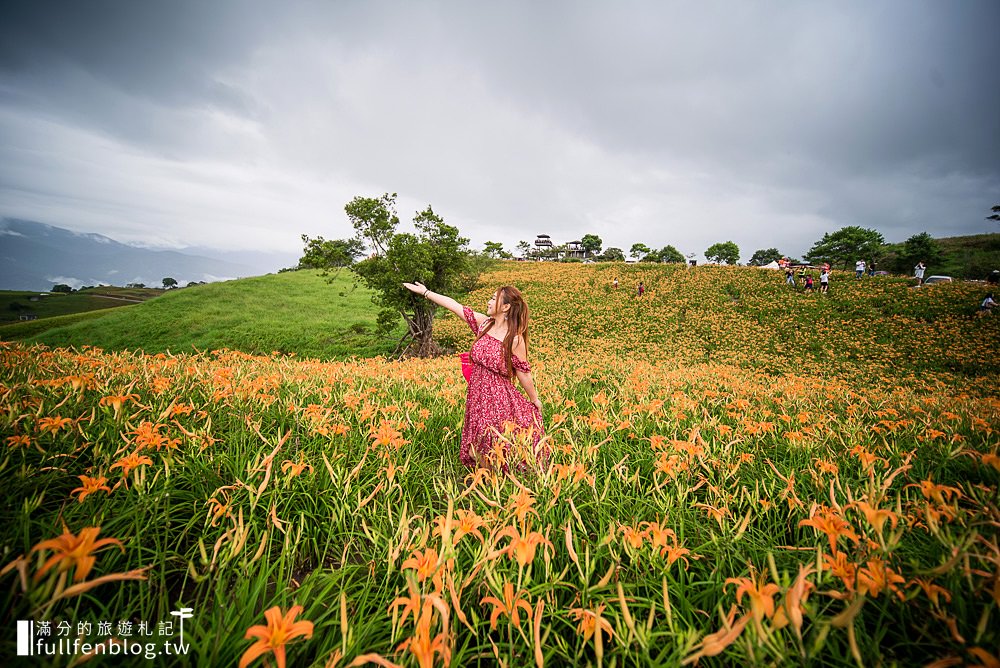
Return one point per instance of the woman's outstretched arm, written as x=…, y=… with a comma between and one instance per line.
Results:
x=440, y=300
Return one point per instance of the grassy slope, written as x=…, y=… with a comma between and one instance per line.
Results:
x=969, y=257
x=290, y=312
x=749, y=317
x=734, y=315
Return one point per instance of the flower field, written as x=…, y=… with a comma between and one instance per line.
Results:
x=740, y=474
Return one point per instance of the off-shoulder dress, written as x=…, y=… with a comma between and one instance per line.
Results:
x=492, y=401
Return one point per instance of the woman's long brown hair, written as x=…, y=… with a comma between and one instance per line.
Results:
x=517, y=323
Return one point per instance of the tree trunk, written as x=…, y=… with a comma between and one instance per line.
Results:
x=421, y=325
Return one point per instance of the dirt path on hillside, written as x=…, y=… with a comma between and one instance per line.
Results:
x=132, y=300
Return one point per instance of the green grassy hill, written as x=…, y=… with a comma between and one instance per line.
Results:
x=293, y=312
x=971, y=257
x=734, y=315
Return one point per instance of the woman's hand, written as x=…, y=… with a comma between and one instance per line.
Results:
x=419, y=288
x=537, y=403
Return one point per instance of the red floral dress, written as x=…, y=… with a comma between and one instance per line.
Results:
x=492, y=401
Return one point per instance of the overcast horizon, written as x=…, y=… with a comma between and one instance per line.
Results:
x=239, y=126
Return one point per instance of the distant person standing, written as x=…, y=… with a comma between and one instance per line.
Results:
x=642, y=289
x=809, y=283
x=824, y=280
x=790, y=276
x=988, y=304
x=859, y=268
x=616, y=284
x=918, y=272
x=871, y=268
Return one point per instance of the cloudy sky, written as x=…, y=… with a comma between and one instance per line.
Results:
x=242, y=125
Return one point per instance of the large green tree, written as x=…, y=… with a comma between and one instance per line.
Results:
x=922, y=247
x=764, y=256
x=846, y=246
x=613, y=254
x=591, y=243
x=670, y=254
x=639, y=250
x=330, y=255
x=435, y=256
x=726, y=251
x=495, y=250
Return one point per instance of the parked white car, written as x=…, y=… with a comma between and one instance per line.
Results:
x=930, y=280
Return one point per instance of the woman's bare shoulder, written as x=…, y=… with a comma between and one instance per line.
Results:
x=518, y=347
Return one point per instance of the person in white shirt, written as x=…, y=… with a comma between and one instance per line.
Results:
x=918, y=272
x=859, y=268
x=988, y=303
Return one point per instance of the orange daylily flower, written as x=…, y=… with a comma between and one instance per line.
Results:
x=522, y=548
x=841, y=568
x=387, y=434
x=52, y=424
x=592, y=622
x=675, y=552
x=18, y=441
x=715, y=643
x=657, y=535
x=521, y=503
x=147, y=435
x=117, y=401
x=508, y=606
x=876, y=577
x=425, y=563
x=941, y=494
x=877, y=516
x=466, y=522
x=761, y=596
x=216, y=508
x=89, y=486
x=633, y=537
x=933, y=591
x=296, y=468
x=130, y=462
x=273, y=637
x=72, y=551
x=421, y=645
x=833, y=525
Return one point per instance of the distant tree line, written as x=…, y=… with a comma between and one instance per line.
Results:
x=168, y=284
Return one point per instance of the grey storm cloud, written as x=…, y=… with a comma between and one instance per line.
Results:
x=246, y=124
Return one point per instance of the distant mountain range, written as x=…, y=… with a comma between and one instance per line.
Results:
x=35, y=256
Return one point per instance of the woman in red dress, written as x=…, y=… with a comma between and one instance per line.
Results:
x=498, y=354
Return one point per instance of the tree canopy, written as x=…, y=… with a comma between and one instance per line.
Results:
x=495, y=250
x=639, y=250
x=764, y=256
x=591, y=243
x=613, y=254
x=726, y=251
x=330, y=256
x=846, y=246
x=435, y=256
